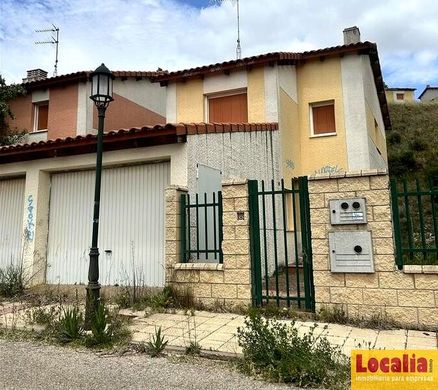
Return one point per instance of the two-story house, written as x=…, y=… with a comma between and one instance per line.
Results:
x=264, y=117
x=400, y=95
x=59, y=107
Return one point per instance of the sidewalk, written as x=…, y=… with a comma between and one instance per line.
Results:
x=217, y=332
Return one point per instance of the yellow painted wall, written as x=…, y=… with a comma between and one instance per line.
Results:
x=190, y=101
x=319, y=81
x=375, y=133
x=409, y=97
x=290, y=136
x=256, y=95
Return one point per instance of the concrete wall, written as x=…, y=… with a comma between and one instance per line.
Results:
x=252, y=155
x=409, y=299
x=211, y=284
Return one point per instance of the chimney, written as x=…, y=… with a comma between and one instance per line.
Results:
x=351, y=35
x=35, y=75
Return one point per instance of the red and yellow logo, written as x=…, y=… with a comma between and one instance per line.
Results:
x=397, y=369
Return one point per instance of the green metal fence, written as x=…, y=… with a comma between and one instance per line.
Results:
x=415, y=220
x=201, y=227
x=280, y=243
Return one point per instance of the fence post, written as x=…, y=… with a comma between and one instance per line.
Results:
x=183, y=223
x=396, y=224
x=254, y=234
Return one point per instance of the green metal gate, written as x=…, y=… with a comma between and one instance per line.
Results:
x=281, y=254
x=415, y=217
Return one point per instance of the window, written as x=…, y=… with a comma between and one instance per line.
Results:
x=228, y=109
x=41, y=116
x=322, y=118
x=400, y=96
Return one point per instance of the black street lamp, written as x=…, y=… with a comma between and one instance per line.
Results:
x=102, y=95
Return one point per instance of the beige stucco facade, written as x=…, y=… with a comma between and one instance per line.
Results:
x=408, y=95
x=285, y=94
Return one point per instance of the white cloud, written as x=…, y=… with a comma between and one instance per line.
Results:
x=145, y=34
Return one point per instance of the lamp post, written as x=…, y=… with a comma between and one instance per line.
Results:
x=102, y=96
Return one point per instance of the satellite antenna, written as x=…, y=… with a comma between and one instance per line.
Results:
x=238, y=47
x=54, y=41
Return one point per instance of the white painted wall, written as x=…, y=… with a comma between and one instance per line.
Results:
x=253, y=155
x=142, y=92
x=271, y=93
x=171, y=113
x=40, y=96
x=223, y=82
x=354, y=112
x=287, y=80
x=82, y=124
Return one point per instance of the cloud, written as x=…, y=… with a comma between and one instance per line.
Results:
x=171, y=34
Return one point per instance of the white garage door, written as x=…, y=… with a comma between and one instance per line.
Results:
x=11, y=220
x=131, y=228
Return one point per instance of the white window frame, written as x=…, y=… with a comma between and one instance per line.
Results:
x=214, y=95
x=36, y=111
x=321, y=104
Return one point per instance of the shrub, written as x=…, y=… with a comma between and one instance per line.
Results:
x=157, y=344
x=11, y=281
x=194, y=348
x=70, y=326
x=100, y=331
x=275, y=351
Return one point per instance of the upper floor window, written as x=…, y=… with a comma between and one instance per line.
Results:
x=400, y=96
x=41, y=116
x=322, y=118
x=231, y=108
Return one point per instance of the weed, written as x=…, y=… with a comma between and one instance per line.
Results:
x=276, y=352
x=11, y=281
x=194, y=348
x=157, y=344
x=42, y=315
x=335, y=314
x=100, y=332
x=70, y=326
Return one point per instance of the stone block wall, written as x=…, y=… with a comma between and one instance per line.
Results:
x=211, y=284
x=409, y=297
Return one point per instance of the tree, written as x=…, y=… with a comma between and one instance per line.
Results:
x=8, y=93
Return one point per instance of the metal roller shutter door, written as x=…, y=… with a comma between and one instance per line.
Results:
x=131, y=227
x=11, y=221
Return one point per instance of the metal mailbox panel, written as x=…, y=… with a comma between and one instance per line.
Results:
x=351, y=252
x=348, y=211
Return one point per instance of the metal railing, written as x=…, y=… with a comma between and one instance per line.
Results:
x=415, y=221
x=201, y=227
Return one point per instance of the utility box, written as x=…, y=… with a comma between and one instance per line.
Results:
x=351, y=251
x=348, y=211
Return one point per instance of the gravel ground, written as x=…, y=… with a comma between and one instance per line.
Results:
x=26, y=365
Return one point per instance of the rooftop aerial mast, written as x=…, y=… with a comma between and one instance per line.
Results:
x=54, y=40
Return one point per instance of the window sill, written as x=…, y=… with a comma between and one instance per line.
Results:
x=199, y=266
x=323, y=135
x=39, y=131
x=420, y=269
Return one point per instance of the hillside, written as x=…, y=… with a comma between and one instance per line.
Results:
x=413, y=140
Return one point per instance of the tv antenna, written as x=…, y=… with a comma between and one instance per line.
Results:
x=54, y=40
x=234, y=2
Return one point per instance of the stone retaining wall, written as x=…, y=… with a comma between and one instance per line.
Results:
x=226, y=284
x=408, y=298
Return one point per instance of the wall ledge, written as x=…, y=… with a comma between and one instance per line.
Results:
x=340, y=175
x=199, y=266
x=420, y=269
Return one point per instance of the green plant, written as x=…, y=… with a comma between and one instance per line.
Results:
x=157, y=344
x=334, y=314
x=163, y=299
x=194, y=348
x=276, y=352
x=11, y=281
x=43, y=315
x=100, y=331
x=70, y=326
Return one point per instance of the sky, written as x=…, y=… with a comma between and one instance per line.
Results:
x=177, y=34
